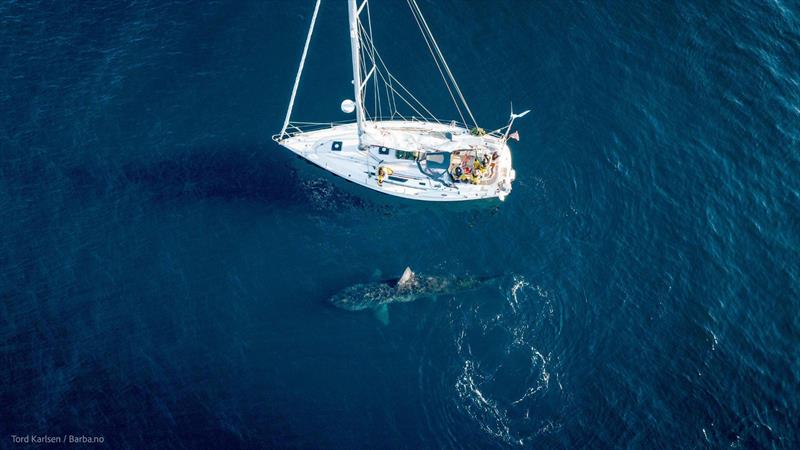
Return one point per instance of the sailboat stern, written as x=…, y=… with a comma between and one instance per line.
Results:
x=506, y=175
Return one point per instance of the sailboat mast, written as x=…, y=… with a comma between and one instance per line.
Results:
x=355, y=47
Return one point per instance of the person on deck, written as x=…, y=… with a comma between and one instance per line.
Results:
x=383, y=172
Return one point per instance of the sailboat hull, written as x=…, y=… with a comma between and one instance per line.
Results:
x=393, y=156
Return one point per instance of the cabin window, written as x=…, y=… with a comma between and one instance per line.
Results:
x=383, y=150
x=336, y=146
x=401, y=154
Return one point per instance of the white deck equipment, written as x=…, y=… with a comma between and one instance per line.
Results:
x=418, y=157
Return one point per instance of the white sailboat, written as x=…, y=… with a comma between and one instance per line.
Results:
x=418, y=157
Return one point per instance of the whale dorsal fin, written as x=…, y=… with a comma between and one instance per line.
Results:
x=406, y=278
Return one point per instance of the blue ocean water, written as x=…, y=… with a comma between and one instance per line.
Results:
x=165, y=267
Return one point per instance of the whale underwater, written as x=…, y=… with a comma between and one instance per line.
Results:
x=377, y=296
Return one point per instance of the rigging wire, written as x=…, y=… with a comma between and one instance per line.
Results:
x=376, y=91
x=441, y=57
x=300, y=69
x=382, y=73
x=436, y=61
x=391, y=77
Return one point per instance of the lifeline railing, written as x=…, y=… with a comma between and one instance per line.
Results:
x=305, y=127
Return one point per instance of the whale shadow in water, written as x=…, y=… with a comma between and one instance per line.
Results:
x=250, y=173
